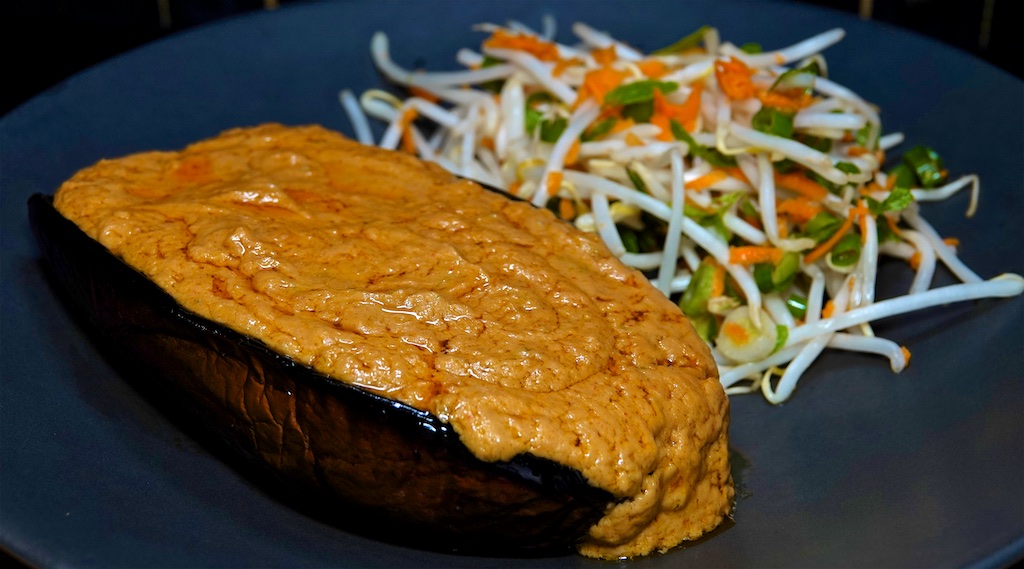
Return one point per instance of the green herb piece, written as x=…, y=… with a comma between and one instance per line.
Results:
x=532, y=119
x=640, y=112
x=638, y=91
x=751, y=48
x=897, y=200
x=848, y=167
x=494, y=85
x=927, y=165
x=598, y=129
x=551, y=129
x=773, y=121
x=688, y=42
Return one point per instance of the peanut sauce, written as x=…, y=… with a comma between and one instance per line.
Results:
x=371, y=266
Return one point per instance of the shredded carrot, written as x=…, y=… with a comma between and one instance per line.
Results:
x=566, y=210
x=707, y=180
x=828, y=309
x=574, y=153
x=622, y=125
x=487, y=142
x=408, y=143
x=542, y=50
x=906, y=355
x=783, y=227
x=862, y=218
x=562, y=64
x=951, y=241
x=652, y=68
x=783, y=100
x=554, y=182
x=820, y=251
x=798, y=183
x=686, y=113
x=513, y=188
x=857, y=151
x=892, y=226
x=598, y=83
x=634, y=140
x=753, y=254
x=737, y=173
x=605, y=55
x=799, y=209
x=422, y=93
x=915, y=260
x=738, y=334
x=718, y=281
x=734, y=77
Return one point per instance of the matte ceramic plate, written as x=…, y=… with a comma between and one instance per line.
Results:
x=861, y=468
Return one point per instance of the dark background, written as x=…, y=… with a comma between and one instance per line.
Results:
x=45, y=41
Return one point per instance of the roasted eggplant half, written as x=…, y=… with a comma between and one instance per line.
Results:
x=343, y=452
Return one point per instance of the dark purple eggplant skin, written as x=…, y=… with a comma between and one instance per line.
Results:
x=368, y=464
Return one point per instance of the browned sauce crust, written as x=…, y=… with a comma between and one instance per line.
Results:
x=524, y=334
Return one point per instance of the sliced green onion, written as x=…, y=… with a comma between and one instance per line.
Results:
x=927, y=165
x=686, y=43
x=638, y=91
x=599, y=129
x=551, y=129
x=706, y=326
x=694, y=300
x=774, y=121
x=638, y=182
x=797, y=306
x=822, y=226
x=781, y=335
x=640, y=112
x=847, y=251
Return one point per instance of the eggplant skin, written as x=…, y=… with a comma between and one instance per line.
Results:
x=366, y=463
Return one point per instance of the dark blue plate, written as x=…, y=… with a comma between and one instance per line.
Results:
x=861, y=468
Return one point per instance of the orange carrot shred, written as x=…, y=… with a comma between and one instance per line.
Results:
x=906, y=355
x=542, y=50
x=686, y=113
x=799, y=209
x=573, y=154
x=554, y=182
x=707, y=180
x=820, y=251
x=828, y=309
x=718, y=281
x=951, y=241
x=633, y=140
x=798, y=183
x=423, y=94
x=915, y=260
x=598, y=83
x=753, y=254
x=605, y=55
x=736, y=333
x=734, y=77
x=652, y=68
x=566, y=209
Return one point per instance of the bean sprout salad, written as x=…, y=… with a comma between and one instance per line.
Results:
x=746, y=184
